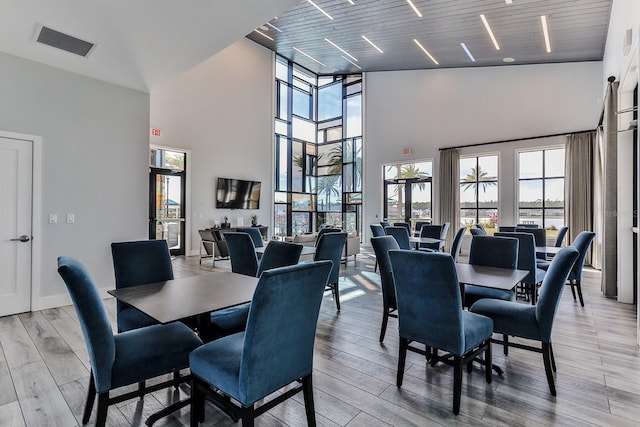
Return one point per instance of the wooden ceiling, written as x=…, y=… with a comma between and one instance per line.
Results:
x=577, y=28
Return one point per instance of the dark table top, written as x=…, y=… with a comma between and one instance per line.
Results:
x=489, y=277
x=424, y=240
x=190, y=296
x=547, y=250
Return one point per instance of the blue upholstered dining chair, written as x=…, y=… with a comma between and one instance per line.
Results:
x=527, y=261
x=419, y=225
x=492, y=252
x=275, y=350
x=330, y=247
x=456, y=244
x=533, y=322
x=435, y=232
x=539, y=235
x=477, y=232
x=401, y=235
x=125, y=358
x=384, y=223
x=544, y=263
x=256, y=237
x=582, y=242
x=138, y=263
x=481, y=227
x=242, y=253
x=324, y=230
x=381, y=246
x=430, y=312
x=234, y=319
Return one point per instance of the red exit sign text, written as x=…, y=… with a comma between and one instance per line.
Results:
x=155, y=132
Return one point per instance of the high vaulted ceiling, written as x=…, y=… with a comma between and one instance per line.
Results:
x=577, y=30
x=140, y=44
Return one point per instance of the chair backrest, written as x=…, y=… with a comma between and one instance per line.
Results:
x=419, y=225
x=376, y=230
x=551, y=289
x=140, y=262
x=381, y=246
x=445, y=230
x=527, y=225
x=330, y=248
x=507, y=228
x=324, y=230
x=477, y=232
x=93, y=319
x=281, y=328
x=456, y=244
x=494, y=251
x=385, y=223
x=539, y=234
x=560, y=237
x=403, y=224
x=242, y=253
x=481, y=227
x=526, y=253
x=429, y=301
x=255, y=234
x=581, y=243
x=433, y=231
x=400, y=234
x=279, y=254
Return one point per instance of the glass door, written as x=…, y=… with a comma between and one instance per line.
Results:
x=167, y=189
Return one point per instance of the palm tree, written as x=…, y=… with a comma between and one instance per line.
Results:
x=408, y=171
x=329, y=185
x=478, y=177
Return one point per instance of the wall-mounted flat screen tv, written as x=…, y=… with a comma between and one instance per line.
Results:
x=237, y=194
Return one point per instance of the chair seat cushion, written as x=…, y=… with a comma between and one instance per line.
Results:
x=229, y=321
x=151, y=351
x=131, y=318
x=543, y=265
x=540, y=272
x=477, y=328
x=474, y=293
x=218, y=363
x=510, y=318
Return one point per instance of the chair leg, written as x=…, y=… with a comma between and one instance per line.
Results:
x=434, y=356
x=248, y=417
x=336, y=295
x=488, y=362
x=385, y=320
x=103, y=402
x=457, y=383
x=375, y=267
x=141, y=386
x=553, y=359
x=505, y=344
x=91, y=397
x=309, y=407
x=402, y=358
x=546, y=356
x=197, y=405
x=176, y=376
x=573, y=291
x=579, y=286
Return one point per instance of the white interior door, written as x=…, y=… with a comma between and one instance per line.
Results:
x=15, y=225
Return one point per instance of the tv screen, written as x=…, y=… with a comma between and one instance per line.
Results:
x=237, y=194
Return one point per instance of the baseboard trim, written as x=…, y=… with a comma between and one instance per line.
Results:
x=60, y=300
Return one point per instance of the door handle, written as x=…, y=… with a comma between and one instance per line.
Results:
x=24, y=238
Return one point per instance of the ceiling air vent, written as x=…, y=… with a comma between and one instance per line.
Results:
x=63, y=41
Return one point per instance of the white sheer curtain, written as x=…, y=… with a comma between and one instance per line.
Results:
x=598, y=200
x=450, y=189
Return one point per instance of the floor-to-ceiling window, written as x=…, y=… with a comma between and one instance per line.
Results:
x=318, y=151
x=479, y=191
x=541, y=188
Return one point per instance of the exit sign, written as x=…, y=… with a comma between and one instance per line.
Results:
x=406, y=151
x=155, y=132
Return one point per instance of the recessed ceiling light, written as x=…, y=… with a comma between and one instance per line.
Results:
x=341, y=49
x=493, y=38
x=545, y=30
x=508, y=1
x=320, y=9
x=264, y=35
x=464, y=46
x=263, y=28
x=415, y=9
x=309, y=56
x=426, y=52
x=508, y=59
x=351, y=62
x=274, y=27
x=372, y=44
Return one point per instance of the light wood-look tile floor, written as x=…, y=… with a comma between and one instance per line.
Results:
x=44, y=370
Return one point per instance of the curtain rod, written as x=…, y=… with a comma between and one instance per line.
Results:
x=517, y=139
x=610, y=79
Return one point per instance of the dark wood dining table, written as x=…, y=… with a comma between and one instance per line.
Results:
x=548, y=250
x=306, y=250
x=489, y=277
x=189, y=297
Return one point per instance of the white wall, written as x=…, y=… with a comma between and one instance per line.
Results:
x=223, y=111
x=94, y=163
x=430, y=109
